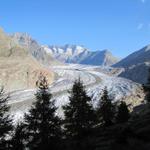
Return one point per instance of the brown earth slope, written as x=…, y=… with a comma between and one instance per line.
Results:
x=18, y=68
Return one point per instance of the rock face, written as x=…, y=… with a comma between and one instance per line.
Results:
x=104, y=58
x=81, y=55
x=18, y=68
x=34, y=48
x=136, y=65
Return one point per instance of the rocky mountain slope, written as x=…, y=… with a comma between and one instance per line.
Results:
x=35, y=49
x=136, y=65
x=81, y=55
x=18, y=68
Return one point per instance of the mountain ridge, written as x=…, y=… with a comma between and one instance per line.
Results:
x=136, y=65
x=139, y=56
x=81, y=55
x=18, y=68
x=35, y=49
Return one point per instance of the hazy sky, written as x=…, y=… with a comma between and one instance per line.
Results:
x=122, y=26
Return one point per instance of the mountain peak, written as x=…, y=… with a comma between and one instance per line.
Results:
x=147, y=48
x=135, y=58
x=67, y=50
x=35, y=49
x=136, y=65
x=16, y=62
x=21, y=34
x=106, y=51
x=23, y=39
x=80, y=54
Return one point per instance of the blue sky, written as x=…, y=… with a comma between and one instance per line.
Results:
x=122, y=26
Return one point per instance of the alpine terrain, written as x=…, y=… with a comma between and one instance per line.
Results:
x=69, y=79
x=23, y=60
x=81, y=55
x=136, y=65
x=18, y=68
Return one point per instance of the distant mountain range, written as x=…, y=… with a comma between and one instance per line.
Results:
x=29, y=53
x=49, y=55
x=136, y=65
x=81, y=55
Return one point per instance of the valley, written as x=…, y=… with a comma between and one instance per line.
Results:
x=23, y=59
x=75, y=75
x=95, y=78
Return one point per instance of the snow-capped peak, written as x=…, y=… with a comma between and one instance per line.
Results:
x=80, y=54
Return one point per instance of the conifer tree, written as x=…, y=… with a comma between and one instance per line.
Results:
x=123, y=114
x=105, y=110
x=5, y=120
x=18, y=138
x=42, y=125
x=79, y=115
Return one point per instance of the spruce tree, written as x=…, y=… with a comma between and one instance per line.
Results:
x=105, y=110
x=42, y=125
x=123, y=114
x=5, y=121
x=18, y=138
x=79, y=116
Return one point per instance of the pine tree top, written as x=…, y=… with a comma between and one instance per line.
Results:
x=79, y=113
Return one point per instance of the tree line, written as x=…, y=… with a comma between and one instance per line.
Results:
x=42, y=128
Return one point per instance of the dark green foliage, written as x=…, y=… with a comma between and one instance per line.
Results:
x=128, y=139
x=5, y=121
x=79, y=116
x=123, y=114
x=42, y=125
x=18, y=138
x=105, y=110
